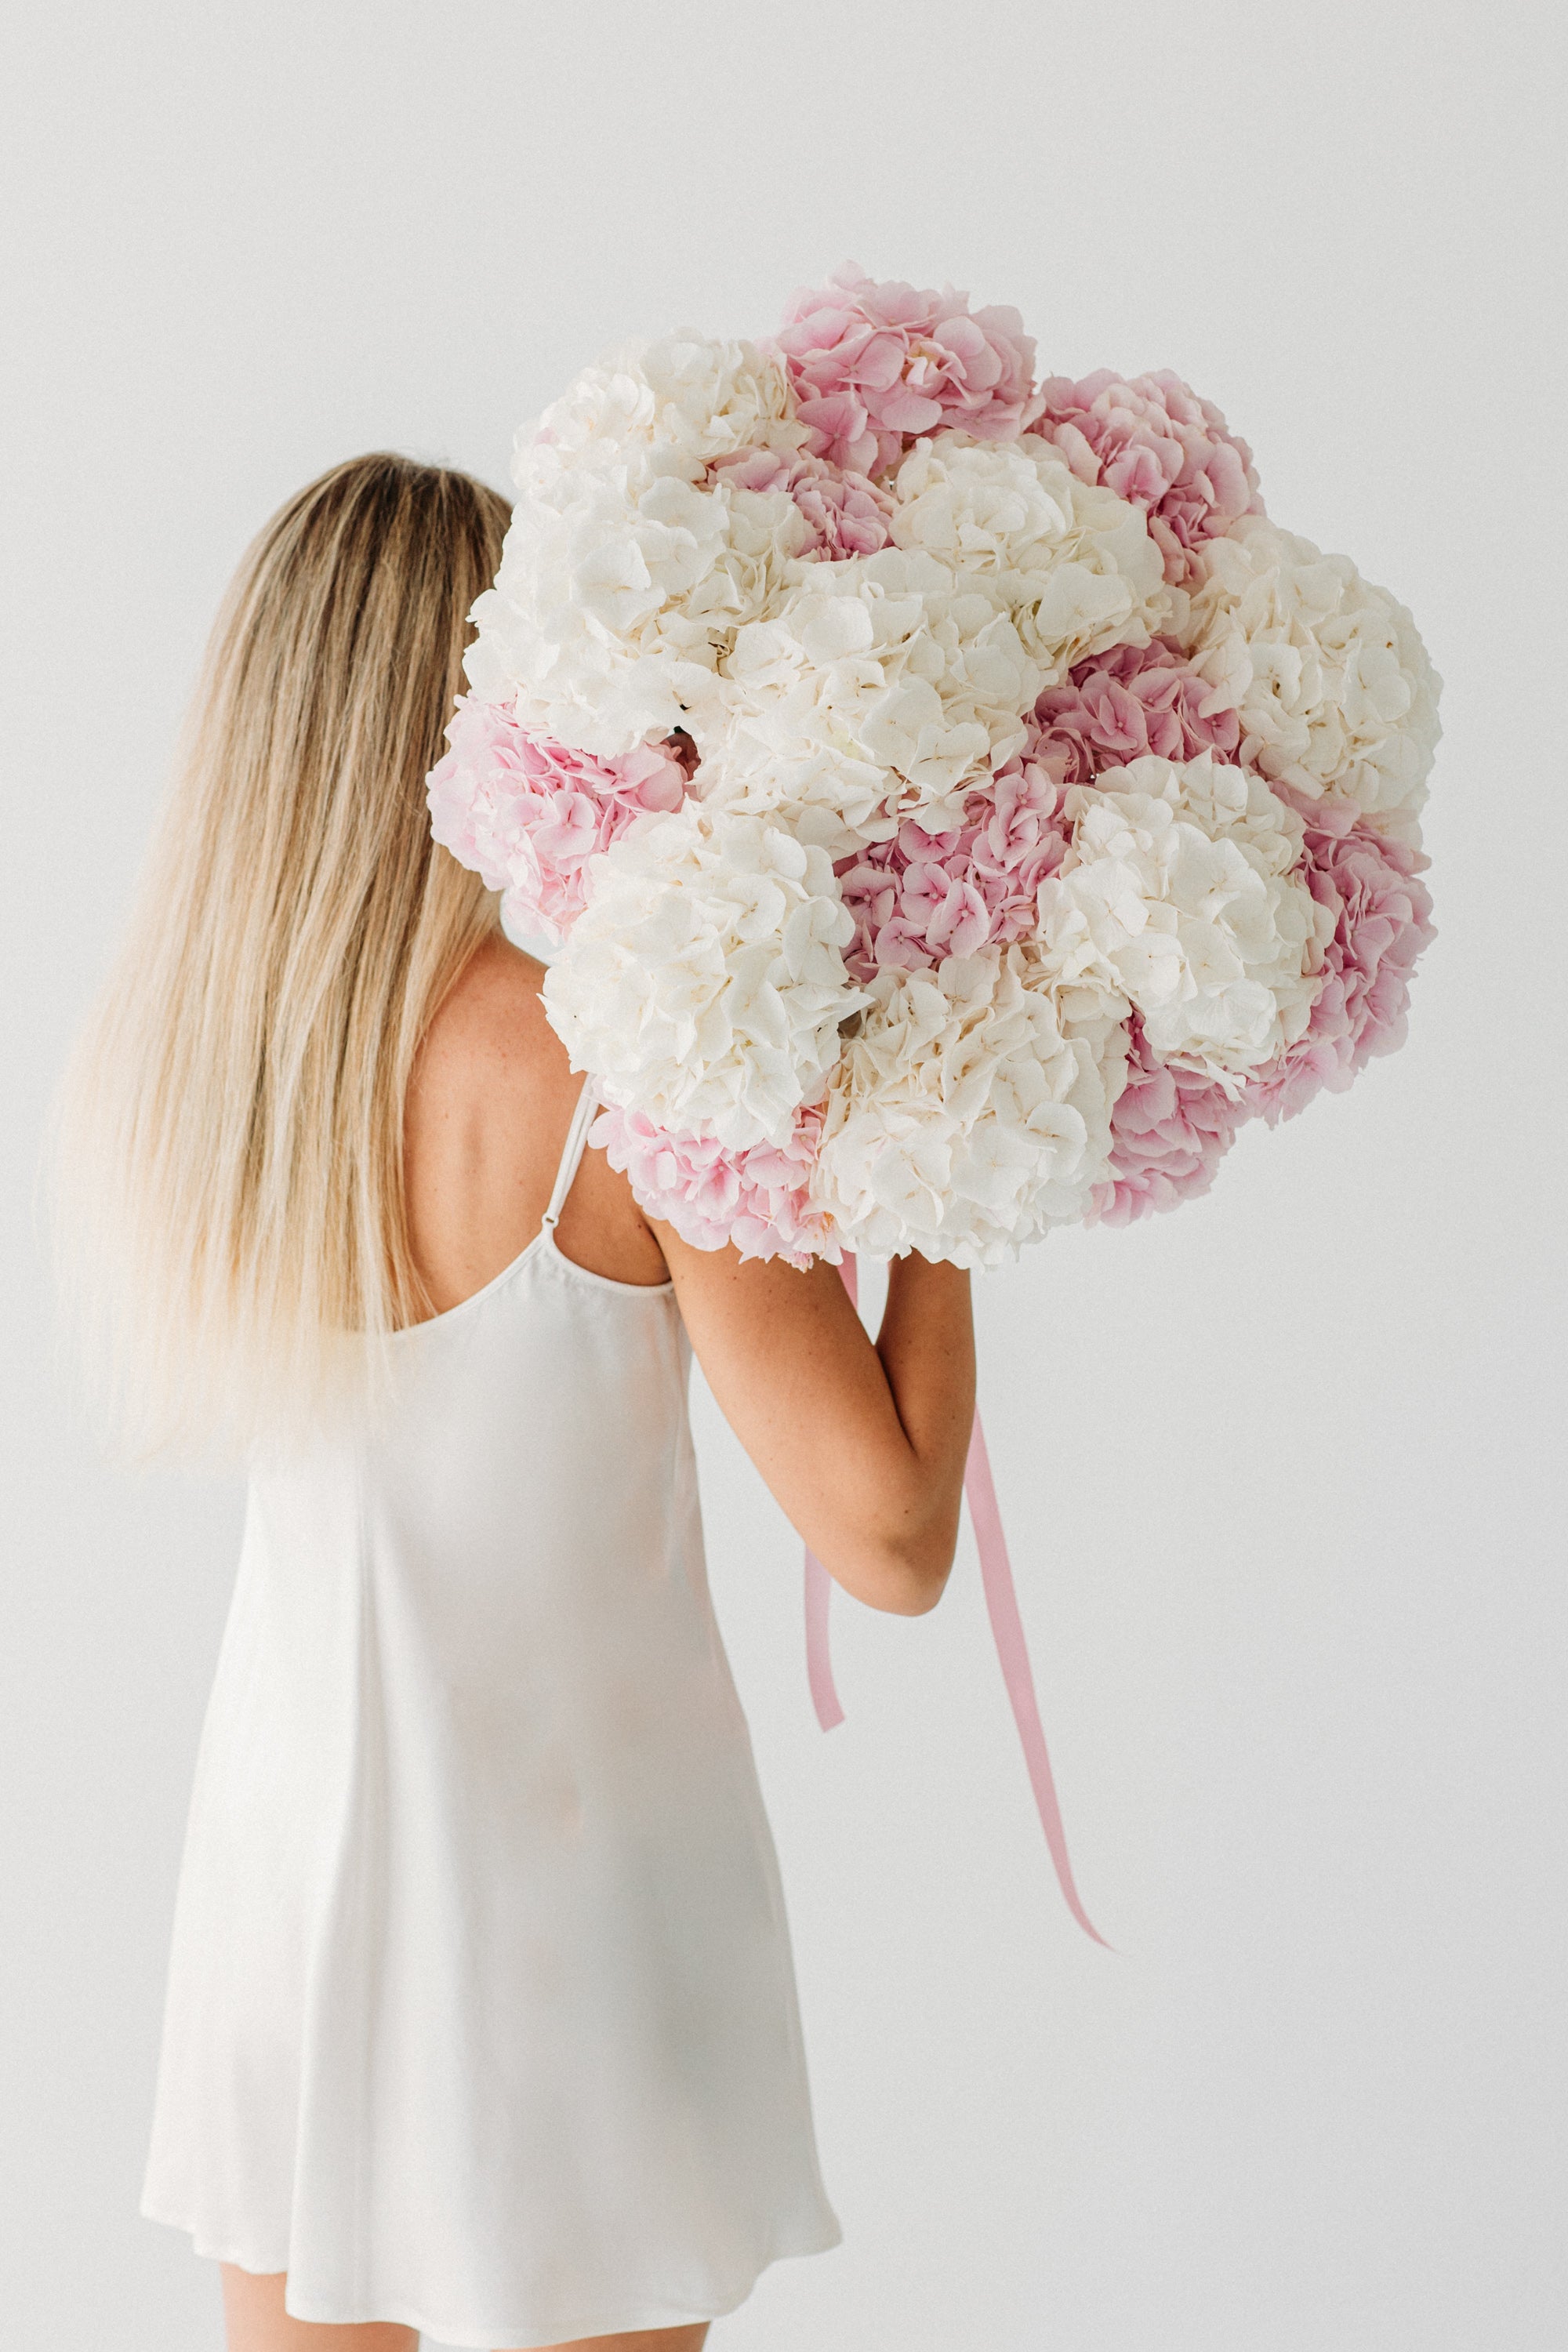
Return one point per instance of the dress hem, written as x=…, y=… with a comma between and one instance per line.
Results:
x=500, y=2336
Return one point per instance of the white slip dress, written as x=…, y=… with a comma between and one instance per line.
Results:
x=481, y=2013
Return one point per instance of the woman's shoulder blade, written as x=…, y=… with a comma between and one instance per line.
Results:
x=488, y=1109
x=488, y=1102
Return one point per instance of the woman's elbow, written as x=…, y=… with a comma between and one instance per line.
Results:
x=909, y=1572
x=915, y=1596
x=893, y=1551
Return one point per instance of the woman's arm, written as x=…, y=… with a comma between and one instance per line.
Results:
x=864, y=1447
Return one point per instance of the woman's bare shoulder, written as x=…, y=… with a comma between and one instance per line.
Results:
x=488, y=1102
x=488, y=1108
x=490, y=1028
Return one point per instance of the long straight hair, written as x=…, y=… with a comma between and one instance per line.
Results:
x=228, y=1146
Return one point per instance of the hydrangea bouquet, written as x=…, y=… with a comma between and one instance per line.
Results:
x=958, y=806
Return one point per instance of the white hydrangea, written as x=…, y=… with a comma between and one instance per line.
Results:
x=683, y=400
x=1074, y=562
x=609, y=615
x=624, y=575
x=1332, y=683
x=704, y=982
x=970, y=1110
x=585, y=633
x=1180, y=890
x=882, y=681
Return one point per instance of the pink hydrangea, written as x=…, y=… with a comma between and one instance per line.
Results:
x=1153, y=441
x=755, y=1198
x=1124, y=704
x=1383, y=920
x=848, y=514
x=924, y=896
x=875, y=364
x=1169, y=1131
x=528, y=815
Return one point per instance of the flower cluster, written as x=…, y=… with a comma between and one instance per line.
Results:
x=1379, y=914
x=1329, y=683
x=1154, y=442
x=972, y=1109
x=758, y=1197
x=1180, y=892
x=960, y=809
x=1169, y=1131
x=922, y=896
x=874, y=366
x=705, y=983
x=528, y=814
x=1127, y=704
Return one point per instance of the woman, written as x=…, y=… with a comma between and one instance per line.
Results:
x=481, y=2017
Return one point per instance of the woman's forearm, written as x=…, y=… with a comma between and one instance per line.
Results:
x=926, y=1344
x=863, y=1444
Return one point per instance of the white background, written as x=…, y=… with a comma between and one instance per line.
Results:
x=1279, y=1469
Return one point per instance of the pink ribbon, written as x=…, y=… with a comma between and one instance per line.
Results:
x=1013, y=1649
x=818, y=1650
x=820, y=1592
x=1007, y=1631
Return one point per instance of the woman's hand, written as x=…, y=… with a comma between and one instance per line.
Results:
x=863, y=1446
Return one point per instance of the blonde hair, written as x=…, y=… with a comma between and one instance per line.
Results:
x=229, y=1140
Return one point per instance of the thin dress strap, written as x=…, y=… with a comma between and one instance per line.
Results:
x=571, y=1154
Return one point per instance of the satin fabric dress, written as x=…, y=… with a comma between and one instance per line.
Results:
x=481, y=2013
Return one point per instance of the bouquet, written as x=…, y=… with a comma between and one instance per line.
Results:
x=958, y=806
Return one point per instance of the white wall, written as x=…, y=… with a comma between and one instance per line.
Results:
x=1279, y=1469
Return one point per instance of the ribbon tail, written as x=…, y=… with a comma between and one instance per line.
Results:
x=819, y=1594
x=818, y=1653
x=1012, y=1650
